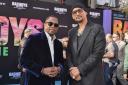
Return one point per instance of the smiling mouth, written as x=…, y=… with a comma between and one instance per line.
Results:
x=51, y=29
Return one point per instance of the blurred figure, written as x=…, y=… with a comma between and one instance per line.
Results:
x=122, y=36
x=65, y=77
x=42, y=55
x=27, y=33
x=110, y=60
x=121, y=45
x=85, y=50
x=65, y=44
x=125, y=75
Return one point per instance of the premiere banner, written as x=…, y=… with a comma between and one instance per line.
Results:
x=15, y=17
x=120, y=22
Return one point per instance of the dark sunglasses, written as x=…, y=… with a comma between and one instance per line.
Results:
x=51, y=23
x=79, y=11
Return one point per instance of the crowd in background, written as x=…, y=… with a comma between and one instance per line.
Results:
x=115, y=59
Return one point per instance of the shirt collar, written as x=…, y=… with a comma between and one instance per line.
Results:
x=49, y=37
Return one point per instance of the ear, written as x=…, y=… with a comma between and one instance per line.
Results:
x=73, y=17
x=44, y=23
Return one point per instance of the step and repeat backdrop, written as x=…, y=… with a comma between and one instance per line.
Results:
x=17, y=16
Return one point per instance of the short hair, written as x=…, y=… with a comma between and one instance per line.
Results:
x=51, y=16
x=117, y=33
x=109, y=36
x=78, y=5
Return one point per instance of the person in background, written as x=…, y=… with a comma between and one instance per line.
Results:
x=125, y=74
x=110, y=60
x=86, y=47
x=42, y=55
x=122, y=36
x=27, y=33
x=121, y=46
x=65, y=76
x=64, y=41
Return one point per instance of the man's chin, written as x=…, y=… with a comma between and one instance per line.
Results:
x=51, y=34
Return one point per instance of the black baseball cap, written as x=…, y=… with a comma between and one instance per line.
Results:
x=79, y=5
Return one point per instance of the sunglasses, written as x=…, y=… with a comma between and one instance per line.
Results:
x=79, y=11
x=51, y=23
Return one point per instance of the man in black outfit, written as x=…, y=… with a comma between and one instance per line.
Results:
x=85, y=49
x=42, y=55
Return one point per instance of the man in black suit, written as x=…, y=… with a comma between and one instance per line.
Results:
x=85, y=50
x=42, y=55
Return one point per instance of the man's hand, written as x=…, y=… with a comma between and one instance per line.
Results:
x=75, y=73
x=55, y=71
x=24, y=70
x=51, y=71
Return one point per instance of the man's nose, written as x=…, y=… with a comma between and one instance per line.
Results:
x=77, y=13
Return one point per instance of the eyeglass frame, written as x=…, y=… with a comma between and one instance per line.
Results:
x=52, y=23
x=80, y=10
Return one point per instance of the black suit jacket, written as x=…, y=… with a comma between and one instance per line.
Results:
x=36, y=55
x=88, y=55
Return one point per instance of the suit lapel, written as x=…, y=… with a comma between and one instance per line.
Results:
x=75, y=40
x=45, y=40
x=55, y=51
x=84, y=36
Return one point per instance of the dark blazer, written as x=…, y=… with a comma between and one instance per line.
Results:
x=88, y=55
x=36, y=55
